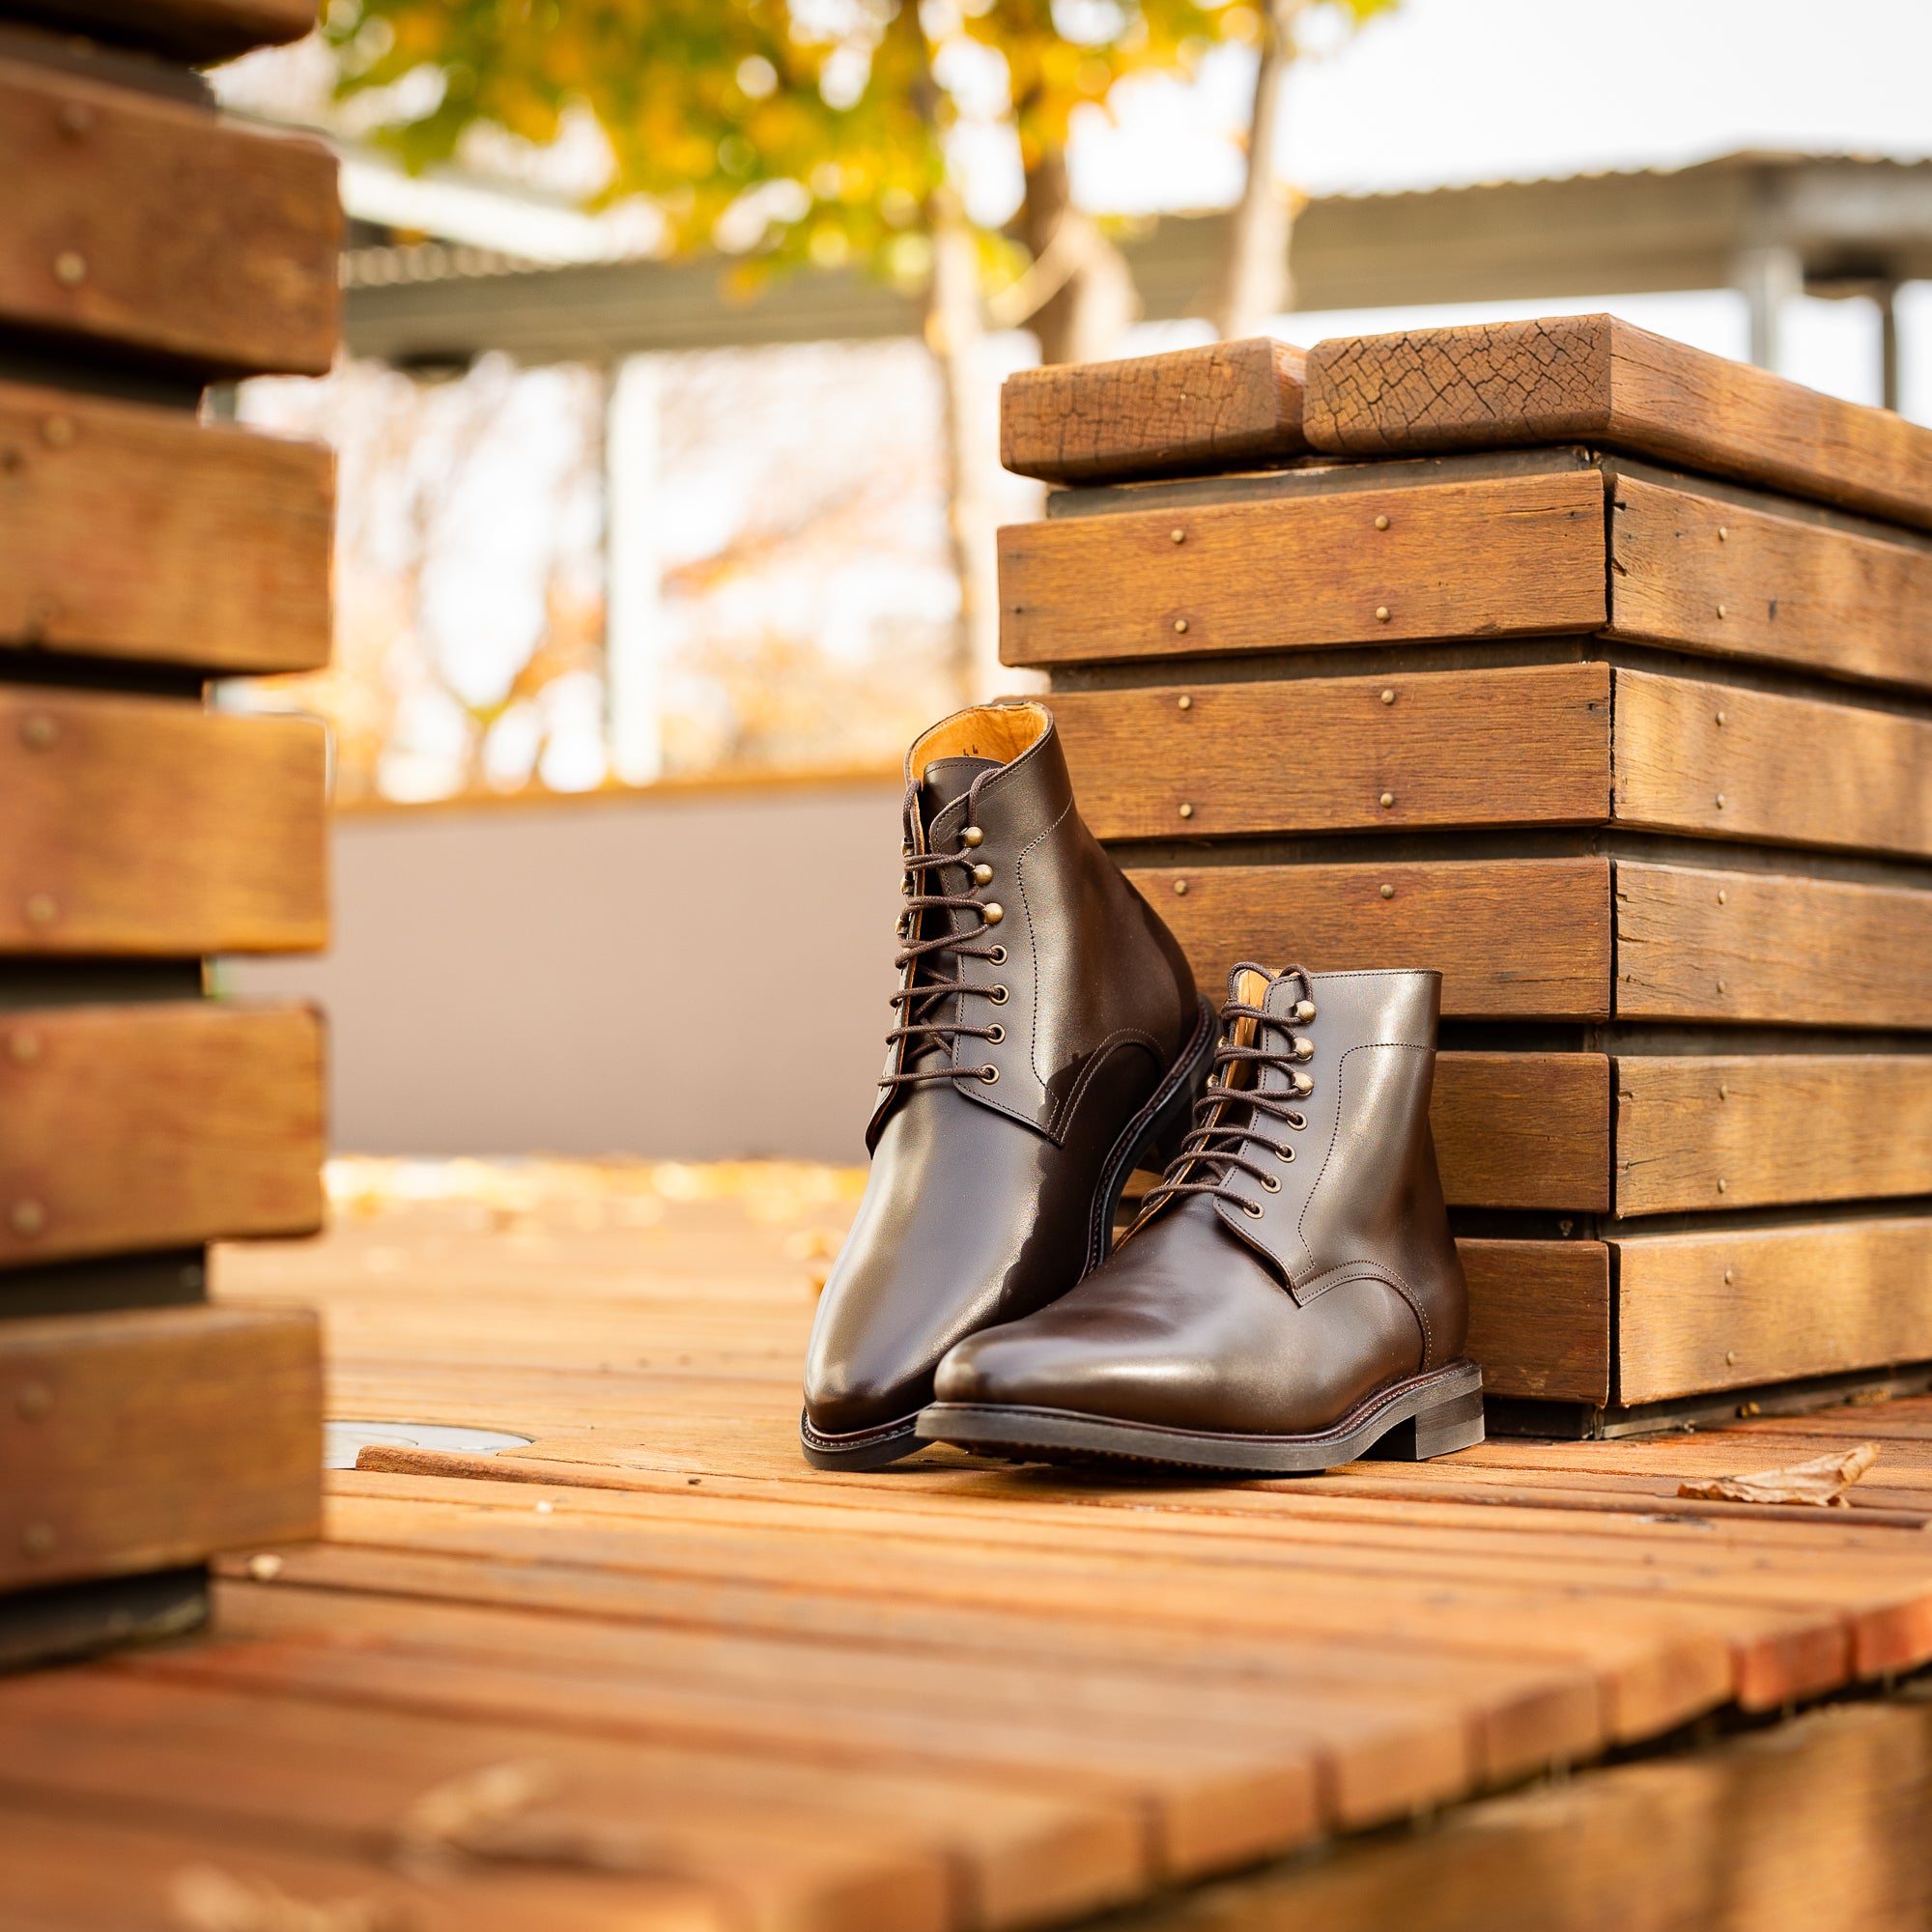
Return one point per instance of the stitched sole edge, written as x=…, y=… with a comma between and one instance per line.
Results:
x=863, y=1448
x=1063, y=1435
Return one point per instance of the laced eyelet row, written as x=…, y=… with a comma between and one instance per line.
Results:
x=1231, y=1120
x=914, y=999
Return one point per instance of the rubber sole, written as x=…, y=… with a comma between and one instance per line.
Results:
x=1428, y=1416
x=1151, y=1135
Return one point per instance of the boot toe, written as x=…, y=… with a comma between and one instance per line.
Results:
x=1028, y=1365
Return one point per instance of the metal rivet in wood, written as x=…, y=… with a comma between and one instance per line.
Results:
x=265, y=1567
x=1720, y=986
x=1721, y=801
x=69, y=269
x=1388, y=799
x=1381, y=522
x=1724, y=535
x=1381, y=613
x=24, y=1046
x=1388, y=697
x=34, y=1401
x=1730, y=1274
x=40, y=909
x=1180, y=888
x=37, y=731
x=1724, y=898
x=1181, y=624
x=57, y=431
x=1187, y=811
x=1720, y=718
x=1186, y=704
x=1388, y=892
x=1730, y=1357
x=1722, y=612
x=27, y=1218
x=1722, y=1183
x=1179, y=536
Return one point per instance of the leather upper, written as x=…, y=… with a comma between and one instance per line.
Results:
x=1268, y=1309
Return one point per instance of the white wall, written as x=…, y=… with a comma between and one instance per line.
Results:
x=694, y=974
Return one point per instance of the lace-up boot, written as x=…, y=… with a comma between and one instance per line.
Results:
x=1049, y=1039
x=1289, y=1298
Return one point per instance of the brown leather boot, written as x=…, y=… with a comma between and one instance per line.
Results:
x=1289, y=1297
x=1049, y=1037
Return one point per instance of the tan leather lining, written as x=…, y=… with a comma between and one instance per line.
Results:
x=1001, y=731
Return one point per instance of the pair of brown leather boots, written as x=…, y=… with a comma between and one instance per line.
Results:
x=1288, y=1298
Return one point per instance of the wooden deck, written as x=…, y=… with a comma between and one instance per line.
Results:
x=652, y=1672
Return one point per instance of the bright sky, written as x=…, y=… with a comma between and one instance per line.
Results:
x=1447, y=91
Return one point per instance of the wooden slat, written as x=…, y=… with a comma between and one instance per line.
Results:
x=1525, y=1129
x=1748, y=1131
x=1699, y=574
x=1516, y=556
x=143, y=222
x=1540, y=1318
x=1454, y=748
x=156, y=1126
x=153, y=1437
x=85, y=1874
x=150, y=826
x=195, y=30
x=1769, y=947
x=1817, y=1822
x=1227, y=406
x=1593, y=377
x=1511, y=937
x=1731, y=763
x=132, y=533
x=1724, y=1310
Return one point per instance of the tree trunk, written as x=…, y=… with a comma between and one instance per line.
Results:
x=1083, y=292
x=1255, y=284
x=954, y=333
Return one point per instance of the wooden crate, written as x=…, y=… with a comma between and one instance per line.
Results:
x=151, y=243
x=1606, y=689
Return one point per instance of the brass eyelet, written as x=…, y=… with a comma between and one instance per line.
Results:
x=989, y=1073
x=996, y=1033
x=1297, y=1121
x=1284, y=1154
x=1272, y=1185
x=1253, y=1209
x=998, y=955
x=999, y=995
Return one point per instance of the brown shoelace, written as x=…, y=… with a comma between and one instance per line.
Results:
x=1230, y=1119
x=912, y=1004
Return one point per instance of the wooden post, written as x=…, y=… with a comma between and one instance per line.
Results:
x=150, y=247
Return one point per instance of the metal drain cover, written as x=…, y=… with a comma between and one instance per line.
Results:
x=342, y=1441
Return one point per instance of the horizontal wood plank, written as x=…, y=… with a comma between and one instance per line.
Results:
x=1595, y=379
x=1697, y=1311
x=1748, y=1131
x=194, y=30
x=147, y=223
x=1510, y=558
x=1769, y=947
x=1700, y=573
x=134, y=532
x=1523, y=1129
x=1540, y=1318
x=1516, y=747
x=1226, y=405
x=156, y=1126
x=1513, y=938
x=147, y=826
x=1810, y=1823
x=153, y=1437
x=1731, y=763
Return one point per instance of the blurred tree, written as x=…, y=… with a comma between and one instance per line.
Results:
x=1255, y=279
x=832, y=133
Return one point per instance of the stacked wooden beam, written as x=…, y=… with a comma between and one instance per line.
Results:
x=147, y=247
x=1596, y=671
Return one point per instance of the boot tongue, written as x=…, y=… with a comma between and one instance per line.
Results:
x=948, y=778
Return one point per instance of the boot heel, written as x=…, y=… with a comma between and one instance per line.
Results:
x=1454, y=1423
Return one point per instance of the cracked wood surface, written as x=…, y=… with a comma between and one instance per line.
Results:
x=1595, y=379
x=1228, y=406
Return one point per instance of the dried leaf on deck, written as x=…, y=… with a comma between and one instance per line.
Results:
x=1821, y=1482
x=485, y=1814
